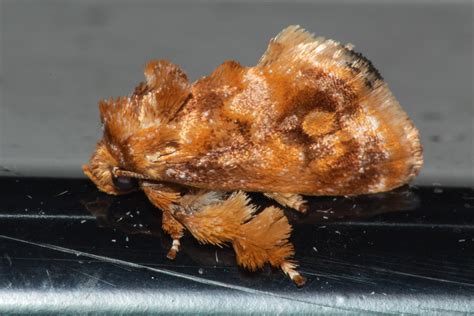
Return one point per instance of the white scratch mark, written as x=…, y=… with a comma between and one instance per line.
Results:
x=41, y=215
x=400, y=273
x=49, y=277
x=6, y=256
x=93, y=277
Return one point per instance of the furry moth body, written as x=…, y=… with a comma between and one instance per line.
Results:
x=313, y=117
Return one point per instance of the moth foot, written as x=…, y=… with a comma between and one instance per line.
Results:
x=289, y=268
x=174, y=249
x=291, y=200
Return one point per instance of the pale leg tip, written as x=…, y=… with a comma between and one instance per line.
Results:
x=173, y=250
x=171, y=254
x=295, y=276
x=304, y=207
x=299, y=280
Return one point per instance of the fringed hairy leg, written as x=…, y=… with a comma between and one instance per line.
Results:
x=265, y=239
x=256, y=238
x=164, y=198
x=291, y=200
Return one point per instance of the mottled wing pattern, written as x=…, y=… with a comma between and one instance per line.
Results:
x=313, y=117
x=358, y=138
x=206, y=135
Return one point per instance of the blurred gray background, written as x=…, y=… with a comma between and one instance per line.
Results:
x=58, y=58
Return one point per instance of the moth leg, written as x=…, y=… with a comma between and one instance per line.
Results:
x=289, y=267
x=195, y=199
x=257, y=239
x=294, y=201
x=176, y=230
x=265, y=239
x=163, y=198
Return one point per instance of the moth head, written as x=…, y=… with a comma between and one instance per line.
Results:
x=104, y=170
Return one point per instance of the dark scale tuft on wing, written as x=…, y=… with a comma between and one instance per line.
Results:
x=361, y=63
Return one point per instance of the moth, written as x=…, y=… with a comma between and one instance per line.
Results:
x=313, y=117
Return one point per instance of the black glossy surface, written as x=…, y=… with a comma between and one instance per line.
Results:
x=65, y=247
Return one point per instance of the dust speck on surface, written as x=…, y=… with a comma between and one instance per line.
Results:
x=437, y=190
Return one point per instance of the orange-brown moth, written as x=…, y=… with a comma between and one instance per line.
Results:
x=313, y=117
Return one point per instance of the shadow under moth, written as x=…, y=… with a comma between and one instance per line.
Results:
x=313, y=117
